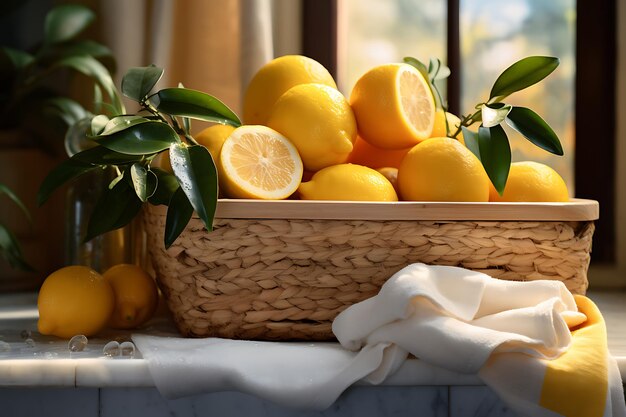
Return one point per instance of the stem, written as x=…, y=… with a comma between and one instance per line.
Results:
x=466, y=121
x=149, y=107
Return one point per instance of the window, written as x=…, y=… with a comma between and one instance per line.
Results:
x=578, y=100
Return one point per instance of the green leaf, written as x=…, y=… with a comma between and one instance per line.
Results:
x=417, y=64
x=437, y=71
x=494, y=114
x=19, y=59
x=10, y=250
x=98, y=101
x=66, y=21
x=100, y=155
x=179, y=213
x=66, y=171
x=139, y=175
x=166, y=185
x=495, y=154
x=93, y=68
x=66, y=109
x=98, y=123
x=115, y=208
x=471, y=141
x=9, y=193
x=50, y=53
x=195, y=171
x=119, y=123
x=535, y=129
x=139, y=81
x=523, y=74
x=145, y=138
x=194, y=104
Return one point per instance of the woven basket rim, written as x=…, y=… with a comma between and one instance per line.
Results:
x=574, y=210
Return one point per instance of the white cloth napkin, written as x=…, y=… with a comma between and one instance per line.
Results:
x=453, y=318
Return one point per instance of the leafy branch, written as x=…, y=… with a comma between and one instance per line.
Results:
x=130, y=143
x=491, y=144
x=9, y=246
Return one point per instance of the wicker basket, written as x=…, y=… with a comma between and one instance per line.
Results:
x=283, y=270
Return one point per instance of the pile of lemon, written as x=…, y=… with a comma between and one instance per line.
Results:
x=303, y=139
x=77, y=300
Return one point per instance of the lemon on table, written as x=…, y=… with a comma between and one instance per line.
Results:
x=532, y=181
x=74, y=300
x=275, y=78
x=258, y=162
x=439, y=127
x=394, y=106
x=136, y=295
x=348, y=182
x=213, y=138
x=441, y=169
x=319, y=121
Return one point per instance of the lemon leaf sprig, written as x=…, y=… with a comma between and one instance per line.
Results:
x=128, y=144
x=491, y=143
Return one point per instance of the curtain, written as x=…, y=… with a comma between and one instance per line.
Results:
x=214, y=46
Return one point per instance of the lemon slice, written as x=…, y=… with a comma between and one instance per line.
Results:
x=393, y=106
x=258, y=162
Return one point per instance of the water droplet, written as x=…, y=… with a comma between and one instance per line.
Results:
x=4, y=346
x=77, y=343
x=26, y=334
x=127, y=349
x=51, y=355
x=311, y=344
x=111, y=349
x=29, y=343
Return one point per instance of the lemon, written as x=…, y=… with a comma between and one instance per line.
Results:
x=532, y=181
x=274, y=79
x=258, y=162
x=441, y=169
x=394, y=106
x=370, y=156
x=74, y=300
x=348, y=182
x=439, y=127
x=213, y=138
x=136, y=295
x=391, y=173
x=319, y=121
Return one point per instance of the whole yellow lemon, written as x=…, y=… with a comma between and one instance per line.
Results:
x=348, y=182
x=74, y=300
x=318, y=120
x=274, y=79
x=532, y=181
x=213, y=138
x=441, y=169
x=136, y=295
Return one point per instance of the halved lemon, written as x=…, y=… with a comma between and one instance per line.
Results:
x=393, y=106
x=258, y=162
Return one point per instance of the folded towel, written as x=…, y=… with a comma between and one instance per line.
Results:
x=515, y=336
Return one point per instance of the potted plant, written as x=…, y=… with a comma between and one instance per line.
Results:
x=36, y=109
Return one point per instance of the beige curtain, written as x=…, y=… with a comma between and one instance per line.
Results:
x=214, y=46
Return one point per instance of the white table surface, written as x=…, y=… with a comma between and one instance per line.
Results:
x=50, y=363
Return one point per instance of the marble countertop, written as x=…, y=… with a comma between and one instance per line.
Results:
x=29, y=359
